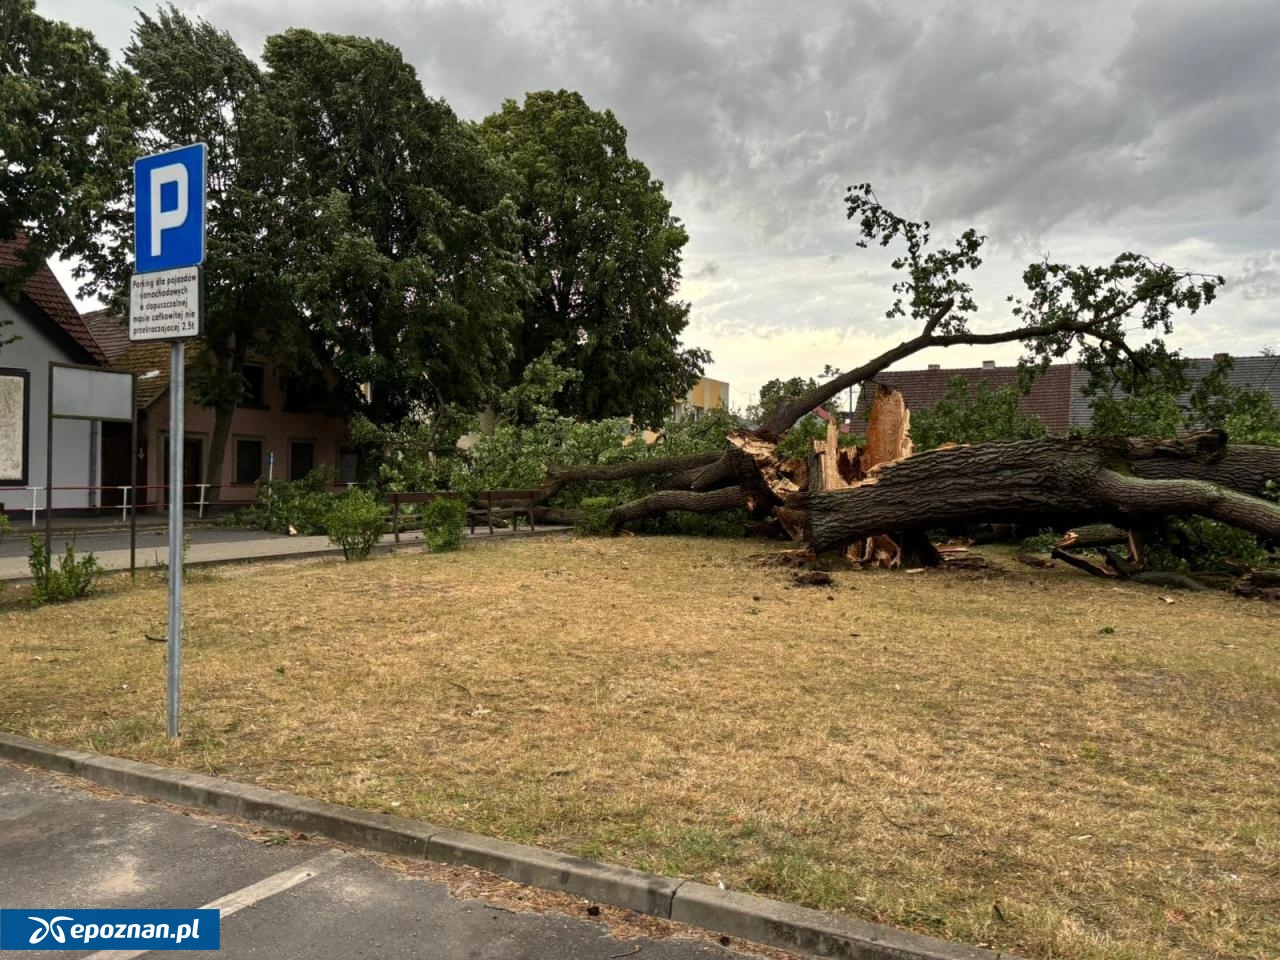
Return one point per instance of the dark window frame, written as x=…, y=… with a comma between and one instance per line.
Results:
x=312, y=443
x=237, y=461
x=255, y=397
x=24, y=475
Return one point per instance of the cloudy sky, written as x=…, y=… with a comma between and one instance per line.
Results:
x=1073, y=128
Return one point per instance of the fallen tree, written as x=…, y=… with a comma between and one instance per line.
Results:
x=1047, y=482
x=842, y=499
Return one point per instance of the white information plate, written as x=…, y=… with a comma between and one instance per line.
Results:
x=165, y=304
x=81, y=393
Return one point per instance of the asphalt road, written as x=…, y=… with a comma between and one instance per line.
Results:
x=63, y=844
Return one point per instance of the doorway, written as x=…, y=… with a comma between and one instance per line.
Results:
x=192, y=469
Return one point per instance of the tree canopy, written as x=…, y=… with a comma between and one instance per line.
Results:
x=403, y=240
x=602, y=251
x=195, y=84
x=67, y=117
x=355, y=224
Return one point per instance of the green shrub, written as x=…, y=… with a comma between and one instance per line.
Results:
x=302, y=504
x=5, y=527
x=1197, y=544
x=442, y=524
x=73, y=579
x=1042, y=542
x=680, y=523
x=973, y=416
x=355, y=522
x=593, y=517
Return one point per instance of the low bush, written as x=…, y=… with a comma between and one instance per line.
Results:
x=442, y=523
x=1042, y=542
x=593, y=517
x=1195, y=544
x=302, y=504
x=73, y=578
x=356, y=520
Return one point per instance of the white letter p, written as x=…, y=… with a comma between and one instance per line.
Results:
x=161, y=219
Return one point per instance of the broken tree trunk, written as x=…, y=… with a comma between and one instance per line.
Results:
x=664, y=501
x=1037, y=481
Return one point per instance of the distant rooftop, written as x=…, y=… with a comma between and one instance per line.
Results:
x=43, y=289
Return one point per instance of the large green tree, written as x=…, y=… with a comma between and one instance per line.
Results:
x=404, y=244
x=602, y=250
x=66, y=117
x=196, y=84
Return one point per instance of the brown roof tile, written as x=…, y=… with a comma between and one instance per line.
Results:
x=43, y=289
x=147, y=355
x=110, y=330
x=1049, y=399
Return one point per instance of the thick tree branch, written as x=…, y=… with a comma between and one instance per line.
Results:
x=628, y=469
x=664, y=501
x=785, y=417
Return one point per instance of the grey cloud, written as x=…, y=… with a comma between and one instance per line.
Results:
x=1087, y=124
x=1259, y=279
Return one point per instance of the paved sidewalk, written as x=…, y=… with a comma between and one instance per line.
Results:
x=153, y=549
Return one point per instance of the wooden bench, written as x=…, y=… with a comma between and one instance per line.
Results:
x=416, y=496
x=503, y=503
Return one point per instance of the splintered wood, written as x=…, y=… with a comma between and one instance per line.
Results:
x=888, y=440
x=831, y=468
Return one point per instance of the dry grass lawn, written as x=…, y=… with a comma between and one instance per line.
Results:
x=1034, y=760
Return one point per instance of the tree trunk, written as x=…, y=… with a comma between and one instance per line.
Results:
x=218, y=450
x=632, y=468
x=223, y=411
x=1087, y=481
x=664, y=501
x=687, y=467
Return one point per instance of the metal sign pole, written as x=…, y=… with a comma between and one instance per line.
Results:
x=133, y=480
x=48, y=487
x=177, y=432
x=166, y=302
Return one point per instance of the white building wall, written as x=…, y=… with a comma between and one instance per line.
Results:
x=73, y=463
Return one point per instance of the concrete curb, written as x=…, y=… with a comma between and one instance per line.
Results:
x=735, y=914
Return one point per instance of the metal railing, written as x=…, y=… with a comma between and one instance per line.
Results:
x=38, y=498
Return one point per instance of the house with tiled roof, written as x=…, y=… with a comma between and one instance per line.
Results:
x=280, y=428
x=44, y=326
x=1257, y=373
x=277, y=430
x=1050, y=398
x=1056, y=397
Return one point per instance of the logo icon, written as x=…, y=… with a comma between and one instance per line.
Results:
x=48, y=927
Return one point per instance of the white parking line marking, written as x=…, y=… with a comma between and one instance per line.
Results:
x=249, y=896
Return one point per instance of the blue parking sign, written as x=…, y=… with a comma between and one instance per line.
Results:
x=169, y=208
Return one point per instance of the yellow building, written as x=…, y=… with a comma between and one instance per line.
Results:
x=706, y=395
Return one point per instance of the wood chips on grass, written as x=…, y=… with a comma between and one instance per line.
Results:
x=1027, y=759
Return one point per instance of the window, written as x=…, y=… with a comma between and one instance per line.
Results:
x=15, y=416
x=303, y=394
x=248, y=460
x=348, y=464
x=255, y=386
x=302, y=458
